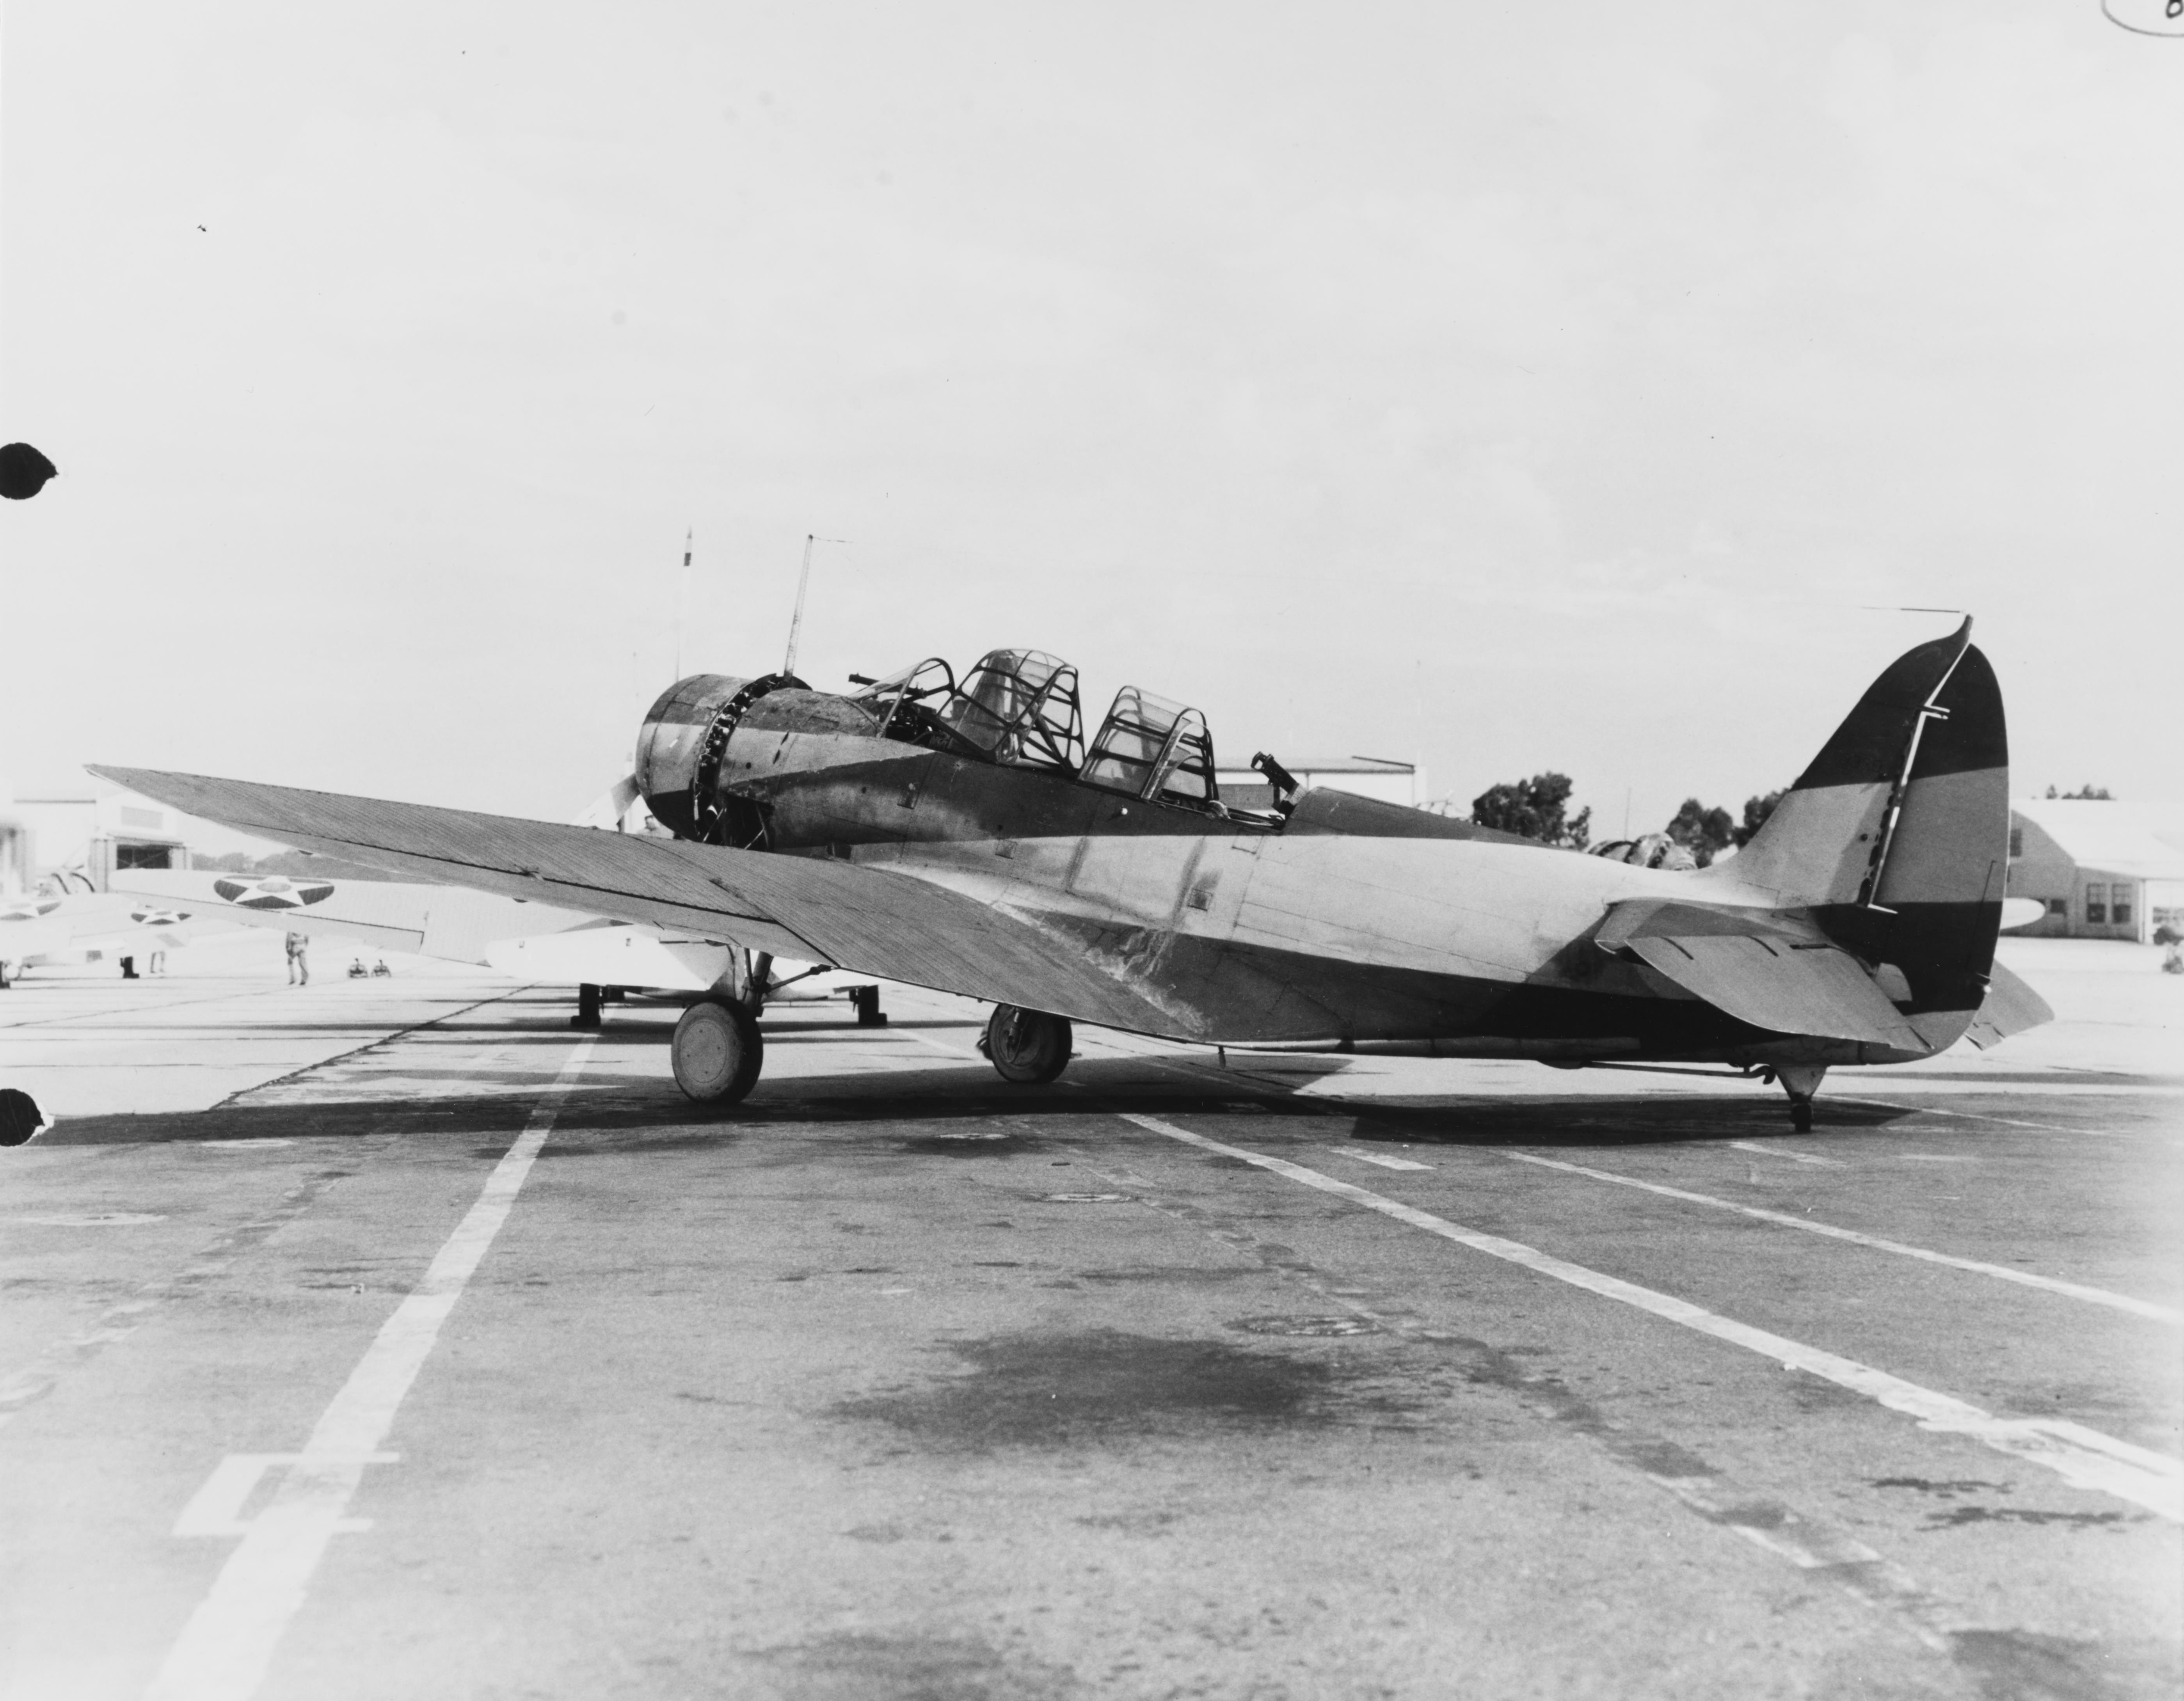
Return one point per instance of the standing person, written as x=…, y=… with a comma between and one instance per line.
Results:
x=299, y=962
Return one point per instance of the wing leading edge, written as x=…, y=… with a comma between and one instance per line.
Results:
x=868, y=920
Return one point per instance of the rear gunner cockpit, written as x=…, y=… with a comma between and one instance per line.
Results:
x=1020, y=709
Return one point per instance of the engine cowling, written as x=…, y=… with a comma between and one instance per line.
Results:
x=678, y=748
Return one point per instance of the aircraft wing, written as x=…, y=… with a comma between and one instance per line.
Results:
x=1772, y=970
x=870, y=920
x=52, y=928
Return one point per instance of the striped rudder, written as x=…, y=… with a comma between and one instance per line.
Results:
x=1895, y=837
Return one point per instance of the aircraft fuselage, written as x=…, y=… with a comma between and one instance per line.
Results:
x=1350, y=923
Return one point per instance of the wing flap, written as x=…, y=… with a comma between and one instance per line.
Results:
x=869, y=920
x=1764, y=967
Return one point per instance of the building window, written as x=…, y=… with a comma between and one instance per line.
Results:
x=2059, y=906
x=2017, y=841
x=2119, y=906
x=2096, y=906
x=143, y=856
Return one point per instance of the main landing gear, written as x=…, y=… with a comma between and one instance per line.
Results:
x=1026, y=1046
x=1801, y=1081
x=717, y=1051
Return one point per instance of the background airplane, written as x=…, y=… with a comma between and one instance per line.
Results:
x=71, y=924
x=536, y=942
x=966, y=836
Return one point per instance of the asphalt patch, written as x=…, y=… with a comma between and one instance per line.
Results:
x=2019, y=1665
x=874, y=1666
x=1060, y=1391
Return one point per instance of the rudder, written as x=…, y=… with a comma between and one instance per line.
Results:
x=1895, y=836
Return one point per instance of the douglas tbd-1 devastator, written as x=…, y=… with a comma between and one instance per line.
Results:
x=958, y=833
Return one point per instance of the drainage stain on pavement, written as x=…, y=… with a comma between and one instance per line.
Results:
x=871, y=1666
x=1043, y=1390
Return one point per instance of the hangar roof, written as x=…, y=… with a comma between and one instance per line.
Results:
x=2110, y=837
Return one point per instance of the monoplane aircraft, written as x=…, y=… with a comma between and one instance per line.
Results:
x=960, y=833
x=68, y=922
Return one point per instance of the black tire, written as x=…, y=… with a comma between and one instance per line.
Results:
x=1801, y=1115
x=1029, y=1047
x=21, y=1119
x=716, y=1052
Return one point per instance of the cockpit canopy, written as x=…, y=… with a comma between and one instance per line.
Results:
x=1020, y=709
x=1017, y=708
x=1151, y=747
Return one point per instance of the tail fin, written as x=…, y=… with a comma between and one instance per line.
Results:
x=1895, y=837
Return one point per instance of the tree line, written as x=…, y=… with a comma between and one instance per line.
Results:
x=1539, y=808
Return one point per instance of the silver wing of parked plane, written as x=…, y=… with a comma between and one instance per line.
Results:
x=868, y=920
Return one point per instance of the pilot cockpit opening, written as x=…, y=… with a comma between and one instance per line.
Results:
x=1021, y=708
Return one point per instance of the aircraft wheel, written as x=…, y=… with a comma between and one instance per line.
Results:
x=21, y=1119
x=1801, y=1115
x=1027, y=1046
x=716, y=1052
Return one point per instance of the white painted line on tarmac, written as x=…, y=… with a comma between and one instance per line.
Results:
x=2094, y=1296
x=1794, y=1157
x=1976, y=1116
x=2083, y=1457
x=1384, y=1161
x=2057, y=1089
x=217, y=1509
x=228, y=1642
x=939, y=1045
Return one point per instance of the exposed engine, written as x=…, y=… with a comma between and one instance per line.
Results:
x=680, y=746
x=708, y=755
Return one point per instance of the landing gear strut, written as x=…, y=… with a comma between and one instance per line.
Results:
x=1801, y=1081
x=1026, y=1046
x=588, y=1007
x=717, y=1051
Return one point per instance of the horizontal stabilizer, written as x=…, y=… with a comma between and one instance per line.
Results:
x=1763, y=967
x=2010, y=1007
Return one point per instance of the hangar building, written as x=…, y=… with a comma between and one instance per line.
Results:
x=2098, y=867
x=1368, y=776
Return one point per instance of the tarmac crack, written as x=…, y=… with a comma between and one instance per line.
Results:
x=355, y=1052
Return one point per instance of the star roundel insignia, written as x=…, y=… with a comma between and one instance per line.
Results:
x=273, y=893
x=145, y=916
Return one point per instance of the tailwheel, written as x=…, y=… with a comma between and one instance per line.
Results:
x=1801, y=1081
x=1027, y=1046
x=716, y=1052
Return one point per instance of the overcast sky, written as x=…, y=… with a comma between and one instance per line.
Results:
x=1505, y=387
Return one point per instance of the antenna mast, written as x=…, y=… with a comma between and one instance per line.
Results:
x=682, y=598
x=803, y=581
x=796, y=619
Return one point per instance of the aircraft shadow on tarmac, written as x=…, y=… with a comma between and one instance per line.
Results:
x=913, y=1103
